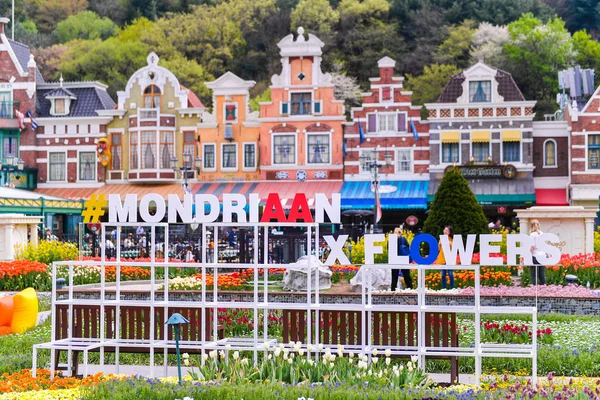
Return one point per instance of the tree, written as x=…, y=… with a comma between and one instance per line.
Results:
x=141, y=8
x=346, y=87
x=584, y=15
x=428, y=86
x=315, y=16
x=488, y=44
x=112, y=9
x=190, y=74
x=455, y=49
x=455, y=204
x=51, y=12
x=588, y=50
x=84, y=25
x=536, y=52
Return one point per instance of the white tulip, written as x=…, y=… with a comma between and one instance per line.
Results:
x=277, y=352
x=320, y=347
x=388, y=361
x=290, y=361
x=228, y=347
x=410, y=369
x=414, y=359
x=388, y=352
x=205, y=356
x=301, y=352
x=375, y=359
x=185, y=355
x=374, y=352
x=409, y=364
x=236, y=355
x=186, y=362
x=351, y=354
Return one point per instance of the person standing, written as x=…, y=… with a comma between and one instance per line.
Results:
x=538, y=271
x=448, y=231
x=403, y=250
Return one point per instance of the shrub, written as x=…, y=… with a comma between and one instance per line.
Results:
x=455, y=204
x=47, y=252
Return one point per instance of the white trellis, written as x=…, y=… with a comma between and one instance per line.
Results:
x=256, y=343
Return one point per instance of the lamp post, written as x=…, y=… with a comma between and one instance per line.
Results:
x=372, y=165
x=186, y=167
x=12, y=164
x=176, y=320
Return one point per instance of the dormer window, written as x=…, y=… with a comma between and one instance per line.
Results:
x=152, y=97
x=480, y=91
x=61, y=101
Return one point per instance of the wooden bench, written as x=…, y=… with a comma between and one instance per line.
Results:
x=393, y=328
x=134, y=325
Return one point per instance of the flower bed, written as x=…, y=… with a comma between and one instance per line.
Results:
x=585, y=266
x=21, y=274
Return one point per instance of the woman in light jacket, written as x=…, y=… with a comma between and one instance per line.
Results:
x=538, y=271
x=448, y=231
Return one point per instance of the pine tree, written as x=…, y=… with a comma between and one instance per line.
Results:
x=455, y=204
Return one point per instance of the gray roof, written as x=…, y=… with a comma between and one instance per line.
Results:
x=89, y=99
x=507, y=88
x=22, y=52
x=60, y=92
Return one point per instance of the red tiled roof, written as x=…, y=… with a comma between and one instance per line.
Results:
x=193, y=99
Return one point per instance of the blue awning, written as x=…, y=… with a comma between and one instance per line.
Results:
x=395, y=195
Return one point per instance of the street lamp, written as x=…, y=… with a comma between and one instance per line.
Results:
x=373, y=166
x=186, y=167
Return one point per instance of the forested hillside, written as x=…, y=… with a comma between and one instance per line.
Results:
x=107, y=40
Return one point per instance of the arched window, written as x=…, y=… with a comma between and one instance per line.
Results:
x=549, y=153
x=152, y=97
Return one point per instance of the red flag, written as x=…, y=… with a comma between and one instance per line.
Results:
x=20, y=119
x=378, y=212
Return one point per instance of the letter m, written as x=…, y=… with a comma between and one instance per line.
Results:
x=122, y=212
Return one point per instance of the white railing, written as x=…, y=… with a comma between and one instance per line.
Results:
x=257, y=343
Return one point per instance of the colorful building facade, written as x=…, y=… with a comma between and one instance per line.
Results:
x=394, y=137
x=155, y=120
x=228, y=137
x=482, y=124
x=301, y=127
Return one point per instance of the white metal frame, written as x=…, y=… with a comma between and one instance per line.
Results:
x=256, y=343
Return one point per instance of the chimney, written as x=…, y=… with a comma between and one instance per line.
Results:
x=31, y=67
x=386, y=69
x=3, y=21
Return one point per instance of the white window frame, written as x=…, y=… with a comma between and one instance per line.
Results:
x=222, y=158
x=406, y=127
x=394, y=122
x=397, y=160
x=237, y=112
x=53, y=105
x=520, y=160
x=253, y=168
x=204, y=157
x=79, y=169
x=587, y=158
x=480, y=80
x=65, y=166
x=306, y=152
x=391, y=99
x=442, y=162
x=360, y=153
x=295, y=135
x=471, y=150
x=555, y=154
x=156, y=149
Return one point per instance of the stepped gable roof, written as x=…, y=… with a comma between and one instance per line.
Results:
x=23, y=53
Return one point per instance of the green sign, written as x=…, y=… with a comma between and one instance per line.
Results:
x=486, y=171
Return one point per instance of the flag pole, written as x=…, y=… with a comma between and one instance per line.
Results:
x=13, y=20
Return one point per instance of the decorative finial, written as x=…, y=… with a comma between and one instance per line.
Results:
x=61, y=79
x=300, y=30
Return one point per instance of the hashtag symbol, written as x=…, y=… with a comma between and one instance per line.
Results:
x=94, y=208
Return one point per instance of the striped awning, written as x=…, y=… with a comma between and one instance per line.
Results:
x=287, y=190
x=395, y=195
x=450, y=136
x=511, y=135
x=480, y=136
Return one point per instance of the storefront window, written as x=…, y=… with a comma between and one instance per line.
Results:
x=481, y=151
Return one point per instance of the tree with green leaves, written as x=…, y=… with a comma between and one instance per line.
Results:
x=316, y=17
x=536, y=52
x=455, y=204
x=488, y=45
x=51, y=12
x=429, y=85
x=588, y=50
x=456, y=48
x=84, y=25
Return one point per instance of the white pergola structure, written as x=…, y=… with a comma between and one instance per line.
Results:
x=260, y=343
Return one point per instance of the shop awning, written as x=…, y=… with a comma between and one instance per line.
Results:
x=69, y=193
x=497, y=192
x=450, y=136
x=551, y=197
x=480, y=136
x=218, y=188
x=395, y=195
x=32, y=203
x=511, y=135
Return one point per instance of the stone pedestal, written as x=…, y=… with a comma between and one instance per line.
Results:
x=574, y=226
x=16, y=230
